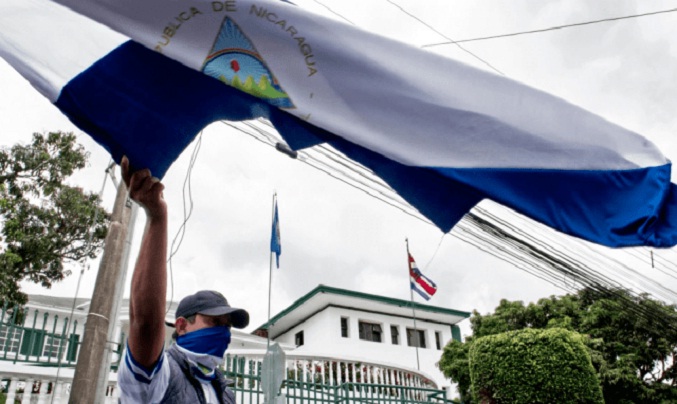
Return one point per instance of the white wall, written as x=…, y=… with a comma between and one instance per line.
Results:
x=322, y=336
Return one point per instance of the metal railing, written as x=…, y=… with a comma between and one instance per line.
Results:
x=40, y=338
x=33, y=344
x=26, y=336
x=24, y=380
x=312, y=380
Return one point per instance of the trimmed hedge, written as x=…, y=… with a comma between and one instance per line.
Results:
x=533, y=366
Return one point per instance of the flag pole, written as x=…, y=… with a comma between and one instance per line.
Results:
x=270, y=274
x=413, y=310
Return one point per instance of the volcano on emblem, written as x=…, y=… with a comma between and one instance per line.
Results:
x=235, y=61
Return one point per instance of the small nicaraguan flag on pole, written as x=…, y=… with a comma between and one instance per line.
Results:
x=420, y=283
x=275, y=245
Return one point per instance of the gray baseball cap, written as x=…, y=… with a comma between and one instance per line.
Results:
x=211, y=303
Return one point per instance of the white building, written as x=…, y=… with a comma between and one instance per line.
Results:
x=330, y=336
x=336, y=322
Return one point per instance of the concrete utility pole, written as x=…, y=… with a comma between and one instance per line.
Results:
x=113, y=328
x=102, y=310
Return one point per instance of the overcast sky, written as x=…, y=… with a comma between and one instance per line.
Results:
x=336, y=235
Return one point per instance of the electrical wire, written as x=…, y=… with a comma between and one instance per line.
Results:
x=432, y=258
x=446, y=37
x=544, y=260
x=657, y=264
x=552, y=262
x=535, y=31
x=187, y=213
x=333, y=12
x=602, y=285
x=630, y=273
x=594, y=257
x=307, y=157
x=668, y=265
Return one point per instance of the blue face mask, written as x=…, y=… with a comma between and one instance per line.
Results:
x=211, y=341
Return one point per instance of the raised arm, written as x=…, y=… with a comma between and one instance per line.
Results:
x=149, y=281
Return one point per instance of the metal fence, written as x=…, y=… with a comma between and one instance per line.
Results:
x=25, y=383
x=40, y=338
x=322, y=381
x=34, y=344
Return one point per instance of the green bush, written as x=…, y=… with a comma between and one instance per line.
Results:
x=533, y=366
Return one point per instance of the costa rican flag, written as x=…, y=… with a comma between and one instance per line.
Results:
x=420, y=283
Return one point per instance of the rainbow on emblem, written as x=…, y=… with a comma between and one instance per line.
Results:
x=235, y=61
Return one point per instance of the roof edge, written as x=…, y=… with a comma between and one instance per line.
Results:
x=337, y=291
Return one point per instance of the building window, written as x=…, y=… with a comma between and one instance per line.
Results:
x=416, y=338
x=298, y=338
x=370, y=331
x=438, y=340
x=395, y=335
x=9, y=339
x=73, y=345
x=52, y=346
x=344, y=327
x=33, y=342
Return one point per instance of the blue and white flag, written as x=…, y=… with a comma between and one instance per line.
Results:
x=442, y=134
x=275, y=242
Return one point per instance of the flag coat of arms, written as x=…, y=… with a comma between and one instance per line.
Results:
x=144, y=77
x=420, y=283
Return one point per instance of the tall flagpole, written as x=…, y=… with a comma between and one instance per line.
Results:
x=270, y=273
x=413, y=310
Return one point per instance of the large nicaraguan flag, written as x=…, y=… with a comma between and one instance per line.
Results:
x=442, y=134
x=420, y=283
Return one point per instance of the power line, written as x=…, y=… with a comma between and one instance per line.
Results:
x=312, y=157
x=547, y=259
x=591, y=279
x=445, y=37
x=522, y=249
x=547, y=247
x=535, y=31
x=660, y=260
x=594, y=257
x=333, y=12
x=187, y=195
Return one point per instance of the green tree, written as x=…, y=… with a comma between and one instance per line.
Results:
x=455, y=364
x=533, y=366
x=631, y=340
x=44, y=222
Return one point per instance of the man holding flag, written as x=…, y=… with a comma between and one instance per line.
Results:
x=187, y=371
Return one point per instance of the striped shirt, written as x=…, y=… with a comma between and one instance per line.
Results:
x=138, y=384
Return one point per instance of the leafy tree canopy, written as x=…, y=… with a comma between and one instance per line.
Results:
x=533, y=366
x=43, y=221
x=632, y=340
